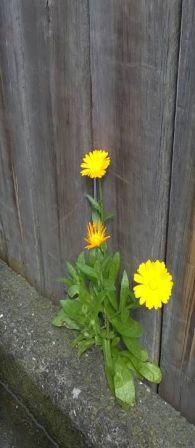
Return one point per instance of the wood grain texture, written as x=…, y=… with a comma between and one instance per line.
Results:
x=134, y=48
x=77, y=74
x=178, y=331
x=47, y=108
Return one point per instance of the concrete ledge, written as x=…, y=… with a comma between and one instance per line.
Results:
x=67, y=394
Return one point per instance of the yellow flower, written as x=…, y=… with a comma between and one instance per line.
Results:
x=155, y=284
x=96, y=235
x=95, y=163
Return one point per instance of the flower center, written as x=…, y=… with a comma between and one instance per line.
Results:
x=96, y=239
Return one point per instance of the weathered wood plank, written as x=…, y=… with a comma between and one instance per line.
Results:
x=46, y=80
x=134, y=49
x=11, y=235
x=178, y=336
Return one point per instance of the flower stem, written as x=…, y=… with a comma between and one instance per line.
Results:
x=101, y=200
x=106, y=324
x=95, y=189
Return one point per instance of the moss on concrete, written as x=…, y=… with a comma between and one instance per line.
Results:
x=67, y=394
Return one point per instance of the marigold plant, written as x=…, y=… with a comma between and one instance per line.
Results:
x=100, y=302
x=96, y=235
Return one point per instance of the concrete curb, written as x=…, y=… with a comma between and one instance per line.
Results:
x=67, y=394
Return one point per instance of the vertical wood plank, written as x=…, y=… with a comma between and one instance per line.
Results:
x=178, y=331
x=46, y=80
x=134, y=46
x=11, y=228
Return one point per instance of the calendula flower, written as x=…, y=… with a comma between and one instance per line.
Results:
x=155, y=284
x=96, y=235
x=95, y=163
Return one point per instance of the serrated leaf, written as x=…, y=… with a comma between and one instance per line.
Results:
x=94, y=204
x=135, y=348
x=114, y=267
x=62, y=320
x=123, y=383
x=124, y=294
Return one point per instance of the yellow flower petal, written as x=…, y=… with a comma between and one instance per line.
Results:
x=138, y=278
x=154, y=284
x=96, y=235
x=95, y=163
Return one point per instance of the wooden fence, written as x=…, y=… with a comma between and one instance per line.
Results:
x=116, y=74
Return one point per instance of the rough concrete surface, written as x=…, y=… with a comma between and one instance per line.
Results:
x=17, y=428
x=67, y=394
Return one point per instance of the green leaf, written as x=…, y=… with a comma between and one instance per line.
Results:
x=73, y=290
x=95, y=216
x=106, y=264
x=108, y=364
x=112, y=299
x=133, y=306
x=115, y=341
x=97, y=266
x=110, y=292
x=108, y=285
x=62, y=320
x=135, y=348
x=149, y=371
x=108, y=216
x=127, y=357
x=94, y=204
x=88, y=271
x=123, y=383
x=132, y=295
x=124, y=294
x=92, y=256
x=73, y=309
x=81, y=258
x=129, y=328
x=78, y=339
x=65, y=281
x=85, y=345
x=84, y=295
x=72, y=271
x=114, y=267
